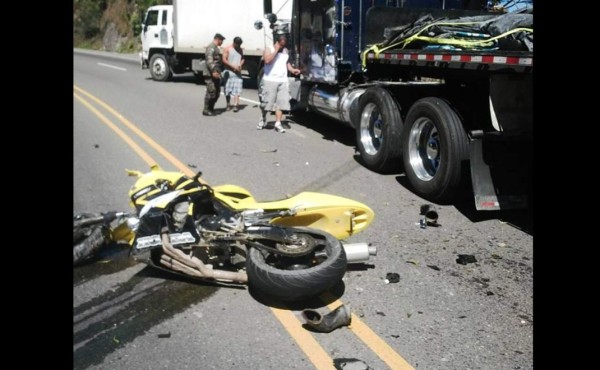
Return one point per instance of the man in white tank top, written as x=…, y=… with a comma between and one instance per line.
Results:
x=275, y=94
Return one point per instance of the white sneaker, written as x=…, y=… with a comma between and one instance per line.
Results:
x=279, y=127
x=261, y=124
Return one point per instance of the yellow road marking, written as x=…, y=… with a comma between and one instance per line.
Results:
x=165, y=153
x=370, y=338
x=141, y=152
x=312, y=349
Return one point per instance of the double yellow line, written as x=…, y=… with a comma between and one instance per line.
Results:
x=306, y=341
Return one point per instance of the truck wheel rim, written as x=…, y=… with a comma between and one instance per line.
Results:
x=159, y=67
x=424, y=149
x=371, y=129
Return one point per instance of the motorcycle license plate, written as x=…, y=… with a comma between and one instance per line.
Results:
x=152, y=240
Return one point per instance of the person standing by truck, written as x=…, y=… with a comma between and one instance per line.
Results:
x=275, y=94
x=212, y=79
x=233, y=59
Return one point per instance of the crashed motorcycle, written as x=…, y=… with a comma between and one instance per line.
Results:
x=288, y=249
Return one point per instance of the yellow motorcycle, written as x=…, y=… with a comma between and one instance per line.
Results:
x=288, y=249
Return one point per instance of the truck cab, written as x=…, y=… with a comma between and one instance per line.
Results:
x=157, y=33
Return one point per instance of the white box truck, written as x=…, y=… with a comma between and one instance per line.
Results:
x=174, y=37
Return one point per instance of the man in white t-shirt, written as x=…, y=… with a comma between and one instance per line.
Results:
x=275, y=94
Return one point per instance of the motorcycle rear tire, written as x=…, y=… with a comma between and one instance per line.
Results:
x=293, y=285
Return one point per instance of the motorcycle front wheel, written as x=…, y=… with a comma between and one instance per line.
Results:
x=292, y=279
x=87, y=240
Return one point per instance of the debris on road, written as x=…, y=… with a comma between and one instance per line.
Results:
x=165, y=335
x=96, y=146
x=429, y=216
x=339, y=317
x=192, y=165
x=463, y=259
x=350, y=364
x=434, y=267
x=269, y=150
x=392, y=277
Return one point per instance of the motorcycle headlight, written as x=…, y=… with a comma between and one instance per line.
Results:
x=133, y=223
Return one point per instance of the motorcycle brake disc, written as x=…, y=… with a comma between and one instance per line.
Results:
x=299, y=245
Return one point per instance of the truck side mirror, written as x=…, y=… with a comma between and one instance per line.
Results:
x=272, y=18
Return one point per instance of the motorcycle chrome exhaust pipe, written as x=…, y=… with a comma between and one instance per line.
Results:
x=359, y=252
x=178, y=260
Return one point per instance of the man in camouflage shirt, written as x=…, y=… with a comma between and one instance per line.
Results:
x=213, y=79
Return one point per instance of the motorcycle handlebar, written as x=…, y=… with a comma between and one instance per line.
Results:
x=105, y=218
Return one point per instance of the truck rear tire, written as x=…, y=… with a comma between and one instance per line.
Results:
x=436, y=149
x=378, y=135
x=159, y=68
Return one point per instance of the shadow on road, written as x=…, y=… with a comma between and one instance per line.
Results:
x=328, y=128
x=521, y=219
x=313, y=302
x=190, y=78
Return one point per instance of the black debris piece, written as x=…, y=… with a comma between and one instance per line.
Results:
x=429, y=216
x=394, y=335
x=165, y=335
x=192, y=165
x=463, y=259
x=462, y=317
x=350, y=364
x=392, y=277
x=434, y=267
x=380, y=313
x=96, y=146
x=489, y=292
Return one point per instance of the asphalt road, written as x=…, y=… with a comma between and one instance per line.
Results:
x=440, y=315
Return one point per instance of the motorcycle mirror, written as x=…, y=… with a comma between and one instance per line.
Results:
x=198, y=175
x=133, y=173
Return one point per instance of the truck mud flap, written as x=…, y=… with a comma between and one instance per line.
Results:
x=500, y=173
